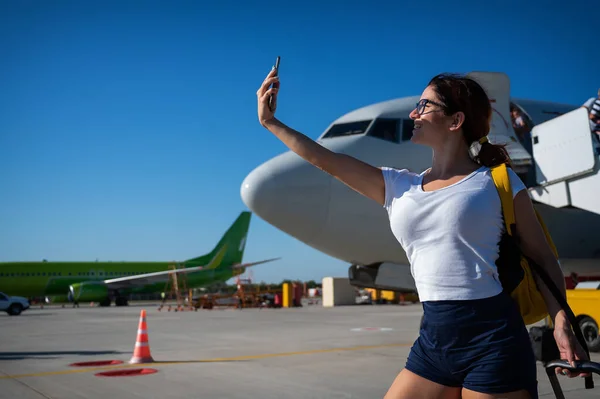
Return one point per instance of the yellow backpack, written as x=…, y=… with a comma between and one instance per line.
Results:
x=514, y=268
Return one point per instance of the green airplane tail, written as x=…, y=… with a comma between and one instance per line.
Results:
x=230, y=248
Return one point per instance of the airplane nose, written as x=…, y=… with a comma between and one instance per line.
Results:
x=259, y=191
x=290, y=194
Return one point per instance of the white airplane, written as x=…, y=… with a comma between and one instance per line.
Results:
x=317, y=209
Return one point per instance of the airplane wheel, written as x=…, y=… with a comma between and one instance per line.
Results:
x=120, y=301
x=105, y=302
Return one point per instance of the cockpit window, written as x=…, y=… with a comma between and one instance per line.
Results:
x=347, y=129
x=386, y=129
x=407, y=129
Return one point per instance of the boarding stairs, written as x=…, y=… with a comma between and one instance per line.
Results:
x=567, y=162
x=176, y=287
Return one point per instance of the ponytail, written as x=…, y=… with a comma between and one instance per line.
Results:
x=487, y=154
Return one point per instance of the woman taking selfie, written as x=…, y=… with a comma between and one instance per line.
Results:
x=473, y=342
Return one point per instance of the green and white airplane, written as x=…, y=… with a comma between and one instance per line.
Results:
x=101, y=281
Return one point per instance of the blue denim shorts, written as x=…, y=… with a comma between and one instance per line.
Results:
x=482, y=345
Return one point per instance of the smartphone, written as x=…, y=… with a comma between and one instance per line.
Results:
x=276, y=67
x=276, y=85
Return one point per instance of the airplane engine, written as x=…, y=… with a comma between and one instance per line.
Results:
x=89, y=291
x=382, y=276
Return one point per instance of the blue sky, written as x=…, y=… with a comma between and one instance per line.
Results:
x=126, y=128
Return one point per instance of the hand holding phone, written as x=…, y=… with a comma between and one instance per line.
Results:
x=276, y=84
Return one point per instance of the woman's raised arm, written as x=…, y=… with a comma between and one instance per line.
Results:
x=360, y=176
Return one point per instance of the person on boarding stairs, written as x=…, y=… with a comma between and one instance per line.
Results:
x=593, y=107
x=473, y=342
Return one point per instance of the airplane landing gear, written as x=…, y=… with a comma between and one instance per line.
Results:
x=121, y=301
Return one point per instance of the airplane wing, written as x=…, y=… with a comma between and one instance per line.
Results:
x=241, y=265
x=147, y=278
x=163, y=276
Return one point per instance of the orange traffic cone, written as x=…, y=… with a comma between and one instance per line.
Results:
x=141, y=353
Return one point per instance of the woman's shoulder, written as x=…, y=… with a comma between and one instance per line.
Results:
x=515, y=181
x=398, y=176
x=397, y=182
x=398, y=172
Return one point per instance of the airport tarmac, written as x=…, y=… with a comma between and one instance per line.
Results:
x=308, y=352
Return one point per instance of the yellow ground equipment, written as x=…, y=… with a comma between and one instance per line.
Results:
x=584, y=300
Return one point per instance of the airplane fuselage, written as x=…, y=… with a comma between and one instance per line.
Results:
x=38, y=279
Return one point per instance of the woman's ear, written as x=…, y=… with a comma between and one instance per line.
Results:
x=457, y=121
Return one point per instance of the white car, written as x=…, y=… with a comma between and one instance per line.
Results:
x=13, y=305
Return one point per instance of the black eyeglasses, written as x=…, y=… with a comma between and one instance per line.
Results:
x=421, y=105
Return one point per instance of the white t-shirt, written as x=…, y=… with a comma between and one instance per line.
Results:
x=450, y=235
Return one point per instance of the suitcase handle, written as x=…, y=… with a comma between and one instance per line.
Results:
x=581, y=366
x=586, y=367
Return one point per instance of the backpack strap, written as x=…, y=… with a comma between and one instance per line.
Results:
x=502, y=182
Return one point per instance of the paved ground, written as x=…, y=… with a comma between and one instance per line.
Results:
x=309, y=352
